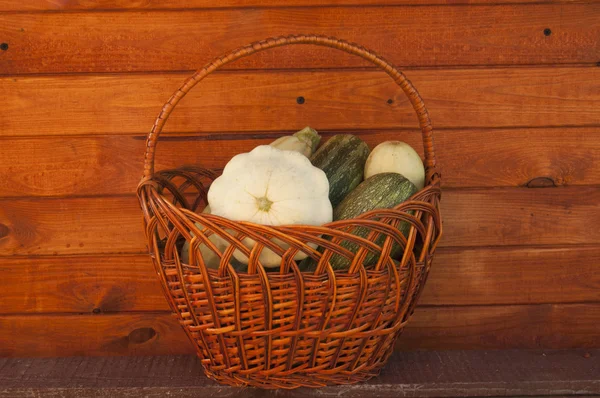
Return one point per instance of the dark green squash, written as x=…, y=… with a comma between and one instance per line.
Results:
x=343, y=159
x=381, y=191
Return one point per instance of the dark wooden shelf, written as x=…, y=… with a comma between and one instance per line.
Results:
x=427, y=374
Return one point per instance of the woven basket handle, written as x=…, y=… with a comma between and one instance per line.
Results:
x=406, y=86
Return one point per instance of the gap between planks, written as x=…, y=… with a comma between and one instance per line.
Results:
x=332, y=69
x=425, y=306
x=233, y=135
x=304, y=5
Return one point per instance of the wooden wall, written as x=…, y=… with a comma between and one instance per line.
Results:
x=513, y=91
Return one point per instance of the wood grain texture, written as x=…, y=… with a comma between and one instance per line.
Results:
x=526, y=216
x=111, y=165
x=517, y=267
x=522, y=326
x=80, y=284
x=418, y=373
x=71, y=226
x=68, y=5
x=266, y=101
x=477, y=217
x=142, y=41
x=473, y=327
x=514, y=275
x=68, y=335
x=484, y=276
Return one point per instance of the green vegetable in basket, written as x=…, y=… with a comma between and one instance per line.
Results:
x=381, y=191
x=342, y=158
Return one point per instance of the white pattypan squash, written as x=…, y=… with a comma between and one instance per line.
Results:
x=270, y=186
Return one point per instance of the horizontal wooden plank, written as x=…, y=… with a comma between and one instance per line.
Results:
x=473, y=327
x=526, y=216
x=91, y=284
x=535, y=326
x=80, y=284
x=414, y=374
x=407, y=36
x=266, y=101
x=69, y=5
x=109, y=165
x=71, y=226
x=478, y=217
x=515, y=275
x=67, y=335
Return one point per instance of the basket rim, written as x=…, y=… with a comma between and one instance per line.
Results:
x=191, y=225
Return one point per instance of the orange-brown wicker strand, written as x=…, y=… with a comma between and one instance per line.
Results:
x=293, y=327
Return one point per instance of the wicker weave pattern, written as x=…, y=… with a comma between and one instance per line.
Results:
x=288, y=328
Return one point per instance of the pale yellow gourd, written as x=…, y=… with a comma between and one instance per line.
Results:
x=396, y=157
x=210, y=258
x=270, y=186
x=304, y=141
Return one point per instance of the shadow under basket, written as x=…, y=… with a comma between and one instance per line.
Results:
x=294, y=325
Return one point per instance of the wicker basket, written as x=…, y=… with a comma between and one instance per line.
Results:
x=288, y=328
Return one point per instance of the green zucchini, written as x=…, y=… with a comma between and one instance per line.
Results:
x=381, y=191
x=343, y=159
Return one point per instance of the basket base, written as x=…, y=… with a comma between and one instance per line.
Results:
x=292, y=381
x=288, y=380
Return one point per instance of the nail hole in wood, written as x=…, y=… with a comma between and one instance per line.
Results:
x=541, y=182
x=390, y=101
x=4, y=46
x=547, y=32
x=300, y=100
x=141, y=335
x=96, y=310
x=4, y=231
